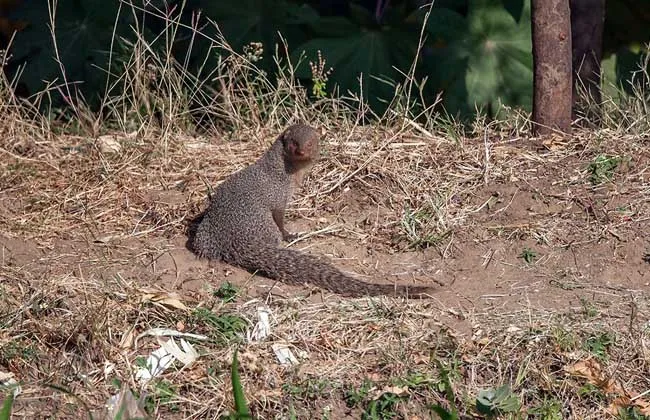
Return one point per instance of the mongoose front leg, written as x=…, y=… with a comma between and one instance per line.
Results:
x=278, y=217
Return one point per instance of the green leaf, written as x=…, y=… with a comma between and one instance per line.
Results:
x=500, y=62
x=361, y=15
x=515, y=8
x=333, y=26
x=445, y=60
x=501, y=400
x=483, y=78
x=452, y=413
x=83, y=29
x=482, y=59
x=627, y=62
x=241, y=407
x=299, y=14
x=367, y=52
x=443, y=413
x=333, y=50
x=627, y=22
x=246, y=21
x=7, y=404
x=445, y=25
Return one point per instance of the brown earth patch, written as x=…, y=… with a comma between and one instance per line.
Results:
x=81, y=240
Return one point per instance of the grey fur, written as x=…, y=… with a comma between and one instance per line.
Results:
x=239, y=226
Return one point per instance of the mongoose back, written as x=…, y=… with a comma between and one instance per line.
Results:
x=244, y=222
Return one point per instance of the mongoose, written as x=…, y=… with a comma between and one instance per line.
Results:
x=244, y=222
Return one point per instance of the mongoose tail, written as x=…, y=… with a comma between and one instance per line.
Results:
x=244, y=222
x=293, y=267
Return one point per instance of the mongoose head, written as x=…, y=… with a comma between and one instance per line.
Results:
x=300, y=144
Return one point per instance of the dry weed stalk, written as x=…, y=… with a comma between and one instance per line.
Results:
x=91, y=216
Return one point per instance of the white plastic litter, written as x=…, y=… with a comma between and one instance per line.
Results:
x=7, y=380
x=186, y=355
x=167, y=332
x=109, y=367
x=163, y=357
x=124, y=405
x=284, y=354
x=263, y=327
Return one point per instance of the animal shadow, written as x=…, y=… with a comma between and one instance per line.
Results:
x=191, y=225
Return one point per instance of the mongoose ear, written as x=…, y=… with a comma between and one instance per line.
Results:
x=285, y=136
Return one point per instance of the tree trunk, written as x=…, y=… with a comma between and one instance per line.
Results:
x=587, y=25
x=552, y=80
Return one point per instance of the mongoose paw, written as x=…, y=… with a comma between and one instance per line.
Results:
x=289, y=237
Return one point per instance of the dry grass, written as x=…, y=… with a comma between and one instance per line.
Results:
x=84, y=226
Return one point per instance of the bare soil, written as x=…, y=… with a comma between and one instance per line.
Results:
x=82, y=237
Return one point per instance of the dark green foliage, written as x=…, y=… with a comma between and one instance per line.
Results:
x=599, y=345
x=528, y=255
x=241, y=407
x=355, y=396
x=497, y=401
x=450, y=413
x=227, y=292
x=477, y=52
x=248, y=21
x=477, y=58
x=381, y=407
x=602, y=168
x=483, y=58
x=359, y=45
x=222, y=328
x=7, y=404
x=84, y=30
x=627, y=62
x=626, y=22
x=515, y=8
